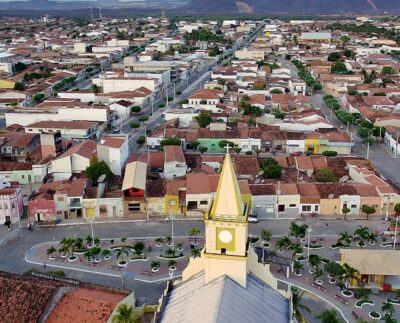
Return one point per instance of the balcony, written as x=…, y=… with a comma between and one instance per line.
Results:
x=75, y=204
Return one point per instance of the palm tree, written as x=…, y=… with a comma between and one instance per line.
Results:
x=329, y=316
x=125, y=314
x=89, y=239
x=170, y=252
x=296, y=249
x=345, y=238
x=79, y=243
x=361, y=234
x=138, y=247
x=318, y=272
x=168, y=240
x=106, y=253
x=333, y=269
x=283, y=243
x=298, y=267
x=63, y=250
x=179, y=245
x=171, y=263
x=50, y=252
x=298, y=231
x=159, y=241
x=349, y=274
x=195, y=253
x=155, y=264
x=314, y=261
x=387, y=308
x=97, y=241
x=363, y=294
x=372, y=238
x=121, y=252
x=88, y=255
x=265, y=235
x=389, y=319
x=123, y=240
x=297, y=304
x=194, y=232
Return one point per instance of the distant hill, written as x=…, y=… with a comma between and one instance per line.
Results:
x=290, y=7
x=294, y=7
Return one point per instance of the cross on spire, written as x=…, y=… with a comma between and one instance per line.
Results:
x=227, y=147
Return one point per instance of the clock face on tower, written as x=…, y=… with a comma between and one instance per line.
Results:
x=225, y=236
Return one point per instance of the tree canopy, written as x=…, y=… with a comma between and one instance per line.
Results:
x=96, y=169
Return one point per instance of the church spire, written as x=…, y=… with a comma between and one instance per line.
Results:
x=228, y=203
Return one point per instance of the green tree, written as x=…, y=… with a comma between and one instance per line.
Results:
x=125, y=314
x=203, y=149
x=204, y=118
x=143, y=119
x=298, y=306
x=18, y=86
x=136, y=109
x=387, y=70
x=134, y=125
x=325, y=175
x=339, y=67
x=223, y=143
x=171, y=142
x=349, y=274
x=265, y=235
x=141, y=140
x=345, y=211
x=38, y=97
x=195, y=252
x=333, y=269
x=329, y=316
x=387, y=308
x=344, y=237
x=237, y=150
x=50, y=251
x=334, y=57
x=397, y=208
x=379, y=132
x=193, y=233
x=361, y=234
x=95, y=88
x=298, y=231
x=348, y=53
x=275, y=91
x=368, y=210
x=96, y=169
x=272, y=171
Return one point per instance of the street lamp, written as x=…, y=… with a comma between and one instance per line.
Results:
x=91, y=228
x=309, y=230
x=387, y=208
x=172, y=217
x=395, y=233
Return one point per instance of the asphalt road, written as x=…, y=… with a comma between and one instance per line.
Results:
x=385, y=163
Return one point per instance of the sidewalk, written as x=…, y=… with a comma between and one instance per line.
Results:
x=6, y=235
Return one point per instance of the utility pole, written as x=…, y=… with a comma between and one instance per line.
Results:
x=91, y=13
x=395, y=233
x=368, y=150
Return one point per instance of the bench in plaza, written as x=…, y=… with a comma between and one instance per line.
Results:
x=319, y=287
x=93, y=264
x=341, y=299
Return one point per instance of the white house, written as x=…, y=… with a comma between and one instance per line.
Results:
x=118, y=84
x=174, y=162
x=122, y=108
x=114, y=150
x=74, y=160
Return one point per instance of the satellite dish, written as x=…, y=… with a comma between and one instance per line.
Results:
x=331, y=196
x=101, y=178
x=260, y=172
x=257, y=181
x=301, y=178
x=343, y=179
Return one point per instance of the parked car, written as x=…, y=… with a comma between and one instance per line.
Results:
x=296, y=153
x=116, y=130
x=252, y=219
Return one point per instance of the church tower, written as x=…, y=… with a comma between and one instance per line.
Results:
x=226, y=229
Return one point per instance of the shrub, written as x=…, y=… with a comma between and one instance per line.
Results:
x=329, y=153
x=134, y=125
x=171, y=142
x=136, y=109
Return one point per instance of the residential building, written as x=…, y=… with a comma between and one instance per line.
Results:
x=114, y=150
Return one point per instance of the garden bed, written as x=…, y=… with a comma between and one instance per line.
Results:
x=72, y=258
x=266, y=245
x=347, y=293
x=313, y=246
x=122, y=263
x=138, y=259
x=361, y=244
x=386, y=244
x=361, y=302
x=339, y=245
x=393, y=301
x=374, y=315
x=181, y=255
x=301, y=258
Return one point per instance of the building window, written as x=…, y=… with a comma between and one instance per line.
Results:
x=203, y=202
x=223, y=251
x=281, y=208
x=306, y=208
x=292, y=205
x=134, y=207
x=316, y=208
x=353, y=206
x=172, y=203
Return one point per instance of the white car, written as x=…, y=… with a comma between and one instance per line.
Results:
x=252, y=219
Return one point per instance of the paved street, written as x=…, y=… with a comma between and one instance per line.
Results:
x=383, y=161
